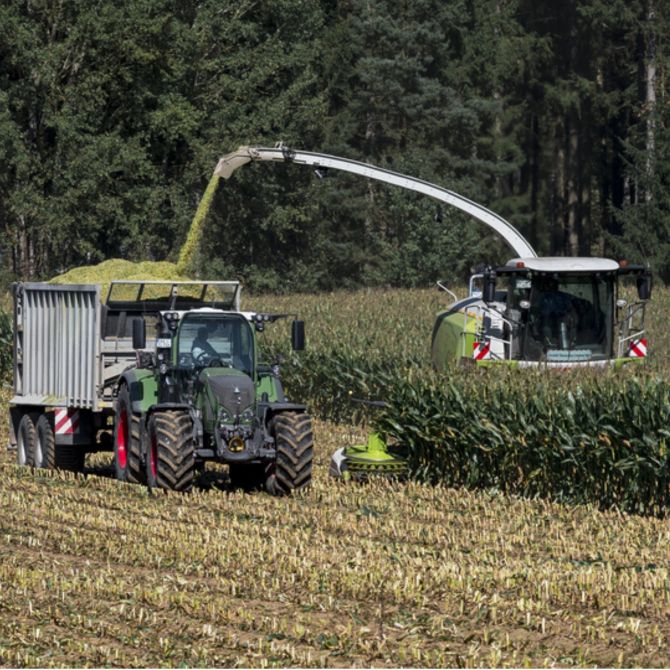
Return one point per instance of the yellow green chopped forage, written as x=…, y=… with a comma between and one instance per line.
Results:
x=107, y=271
x=188, y=255
x=116, y=268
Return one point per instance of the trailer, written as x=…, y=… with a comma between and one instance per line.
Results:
x=116, y=375
x=69, y=352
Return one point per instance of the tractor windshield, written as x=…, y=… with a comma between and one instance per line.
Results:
x=564, y=318
x=217, y=340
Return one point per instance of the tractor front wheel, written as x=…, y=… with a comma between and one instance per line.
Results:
x=170, y=451
x=294, y=442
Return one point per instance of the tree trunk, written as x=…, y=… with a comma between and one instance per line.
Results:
x=571, y=194
x=650, y=100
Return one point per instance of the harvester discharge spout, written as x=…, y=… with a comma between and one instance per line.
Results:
x=282, y=154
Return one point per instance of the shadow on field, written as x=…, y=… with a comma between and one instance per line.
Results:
x=212, y=478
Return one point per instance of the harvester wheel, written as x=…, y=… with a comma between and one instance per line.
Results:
x=171, y=451
x=25, y=441
x=294, y=442
x=127, y=464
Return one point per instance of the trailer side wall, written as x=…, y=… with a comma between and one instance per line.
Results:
x=56, y=345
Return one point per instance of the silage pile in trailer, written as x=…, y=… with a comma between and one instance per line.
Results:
x=118, y=269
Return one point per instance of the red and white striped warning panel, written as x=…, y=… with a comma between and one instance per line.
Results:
x=481, y=350
x=638, y=348
x=66, y=421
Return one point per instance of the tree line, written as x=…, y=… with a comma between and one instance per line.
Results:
x=113, y=115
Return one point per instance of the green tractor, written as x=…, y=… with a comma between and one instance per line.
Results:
x=201, y=394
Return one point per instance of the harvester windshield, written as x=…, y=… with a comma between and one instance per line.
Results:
x=216, y=340
x=562, y=317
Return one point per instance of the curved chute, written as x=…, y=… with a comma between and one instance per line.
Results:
x=230, y=162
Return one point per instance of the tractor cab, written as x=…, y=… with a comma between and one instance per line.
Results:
x=211, y=338
x=554, y=311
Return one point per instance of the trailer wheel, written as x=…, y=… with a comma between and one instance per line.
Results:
x=294, y=442
x=45, y=444
x=48, y=454
x=171, y=451
x=127, y=465
x=25, y=441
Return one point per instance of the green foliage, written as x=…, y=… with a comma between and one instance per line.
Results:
x=6, y=347
x=112, y=117
x=583, y=436
x=602, y=439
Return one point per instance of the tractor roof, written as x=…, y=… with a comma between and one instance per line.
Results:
x=564, y=264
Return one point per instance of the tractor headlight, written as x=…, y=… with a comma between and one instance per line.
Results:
x=247, y=416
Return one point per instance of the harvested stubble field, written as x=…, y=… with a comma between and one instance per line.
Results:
x=97, y=573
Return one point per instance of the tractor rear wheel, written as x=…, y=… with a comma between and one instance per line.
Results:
x=170, y=462
x=294, y=442
x=25, y=441
x=127, y=465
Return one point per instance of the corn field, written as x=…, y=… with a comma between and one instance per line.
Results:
x=98, y=573
x=475, y=563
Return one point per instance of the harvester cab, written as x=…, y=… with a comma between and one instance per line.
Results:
x=558, y=312
x=200, y=394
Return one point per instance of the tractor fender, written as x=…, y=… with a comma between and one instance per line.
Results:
x=277, y=407
x=142, y=387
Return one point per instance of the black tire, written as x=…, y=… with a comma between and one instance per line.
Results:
x=25, y=441
x=50, y=455
x=294, y=442
x=127, y=456
x=170, y=462
x=45, y=444
x=247, y=476
x=136, y=473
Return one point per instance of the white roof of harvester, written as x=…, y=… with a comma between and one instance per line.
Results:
x=565, y=264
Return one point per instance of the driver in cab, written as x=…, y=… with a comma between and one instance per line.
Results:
x=201, y=350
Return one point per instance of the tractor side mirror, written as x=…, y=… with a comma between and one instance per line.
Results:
x=139, y=334
x=298, y=335
x=489, y=292
x=644, y=286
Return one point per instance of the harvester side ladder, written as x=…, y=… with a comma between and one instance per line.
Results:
x=230, y=162
x=480, y=312
x=631, y=328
